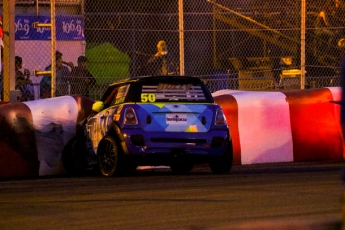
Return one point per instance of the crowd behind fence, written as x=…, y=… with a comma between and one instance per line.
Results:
x=237, y=45
x=213, y=82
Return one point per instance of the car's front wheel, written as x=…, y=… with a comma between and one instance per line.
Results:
x=108, y=156
x=223, y=163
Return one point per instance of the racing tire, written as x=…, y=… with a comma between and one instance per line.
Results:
x=223, y=164
x=74, y=157
x=108, y=157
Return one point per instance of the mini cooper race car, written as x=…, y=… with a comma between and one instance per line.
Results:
x=152, y=121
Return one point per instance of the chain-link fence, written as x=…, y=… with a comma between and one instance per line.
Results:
x=244, y=45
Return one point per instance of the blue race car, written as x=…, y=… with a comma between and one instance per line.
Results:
x=162, y=120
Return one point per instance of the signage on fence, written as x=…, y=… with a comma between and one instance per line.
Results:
x=67, y=28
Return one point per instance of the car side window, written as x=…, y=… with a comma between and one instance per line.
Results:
x=120, y=95
x=110, y=98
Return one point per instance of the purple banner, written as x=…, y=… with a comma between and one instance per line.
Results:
x=67, y=28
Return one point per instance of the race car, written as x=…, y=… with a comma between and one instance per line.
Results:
x=152, y=121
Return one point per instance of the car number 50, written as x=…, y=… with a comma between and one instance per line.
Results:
x=145, y=97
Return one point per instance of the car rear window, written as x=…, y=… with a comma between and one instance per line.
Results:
x=169, y=92
x=158, y=89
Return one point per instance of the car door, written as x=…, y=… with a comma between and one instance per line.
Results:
x=98, y=126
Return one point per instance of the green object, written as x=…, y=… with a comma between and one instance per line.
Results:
x=106, y=63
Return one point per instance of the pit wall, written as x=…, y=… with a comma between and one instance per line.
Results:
x=266, y=127
x=283, y=126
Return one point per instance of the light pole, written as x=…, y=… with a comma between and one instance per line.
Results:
x=303, y=24
x=9, y=78
x=181, y=35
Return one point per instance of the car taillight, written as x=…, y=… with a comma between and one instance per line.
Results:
x=130, y=117
x=220, y=118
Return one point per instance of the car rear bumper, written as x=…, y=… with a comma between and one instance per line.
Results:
x=211, y=143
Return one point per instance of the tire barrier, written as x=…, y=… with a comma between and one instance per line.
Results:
x=34, y=133
x=283, y=126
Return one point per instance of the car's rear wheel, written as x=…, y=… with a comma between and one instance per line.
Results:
x=74, y=157
x=108, y=156
x=223, y=163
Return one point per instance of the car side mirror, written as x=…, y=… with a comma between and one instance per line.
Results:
x=98, y=106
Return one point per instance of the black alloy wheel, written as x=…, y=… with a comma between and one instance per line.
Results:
x=108, y=156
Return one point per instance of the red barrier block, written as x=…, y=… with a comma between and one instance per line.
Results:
x=282, y=126
x=314, y=125
x=33, y=134
x=230, y=107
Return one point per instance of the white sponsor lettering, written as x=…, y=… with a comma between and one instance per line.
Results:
x=176, y=119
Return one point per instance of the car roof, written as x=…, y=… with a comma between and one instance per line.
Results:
x=173, y=78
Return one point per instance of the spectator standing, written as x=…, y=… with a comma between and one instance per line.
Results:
x=325, y=26
x=23, y=82
x=159, y=64
x=62, y=73
x=81, y=79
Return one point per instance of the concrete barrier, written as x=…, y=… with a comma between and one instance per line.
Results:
x=34, y=133
x=283, y=126
x=266, y=127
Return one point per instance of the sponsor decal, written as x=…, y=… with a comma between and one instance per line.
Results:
x=176, y=119
x=148, y=97
x=68, y=28
x=163, y=86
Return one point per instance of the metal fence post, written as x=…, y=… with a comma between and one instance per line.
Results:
x=303, y=23
x=9, y=73
x=181, y=35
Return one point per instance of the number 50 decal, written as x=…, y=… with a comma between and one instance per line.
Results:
x=145, y=97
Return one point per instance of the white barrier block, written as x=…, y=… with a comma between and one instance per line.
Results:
x=54, y=123
x=264, y=127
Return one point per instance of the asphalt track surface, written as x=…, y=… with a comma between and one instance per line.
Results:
x=265, y=196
